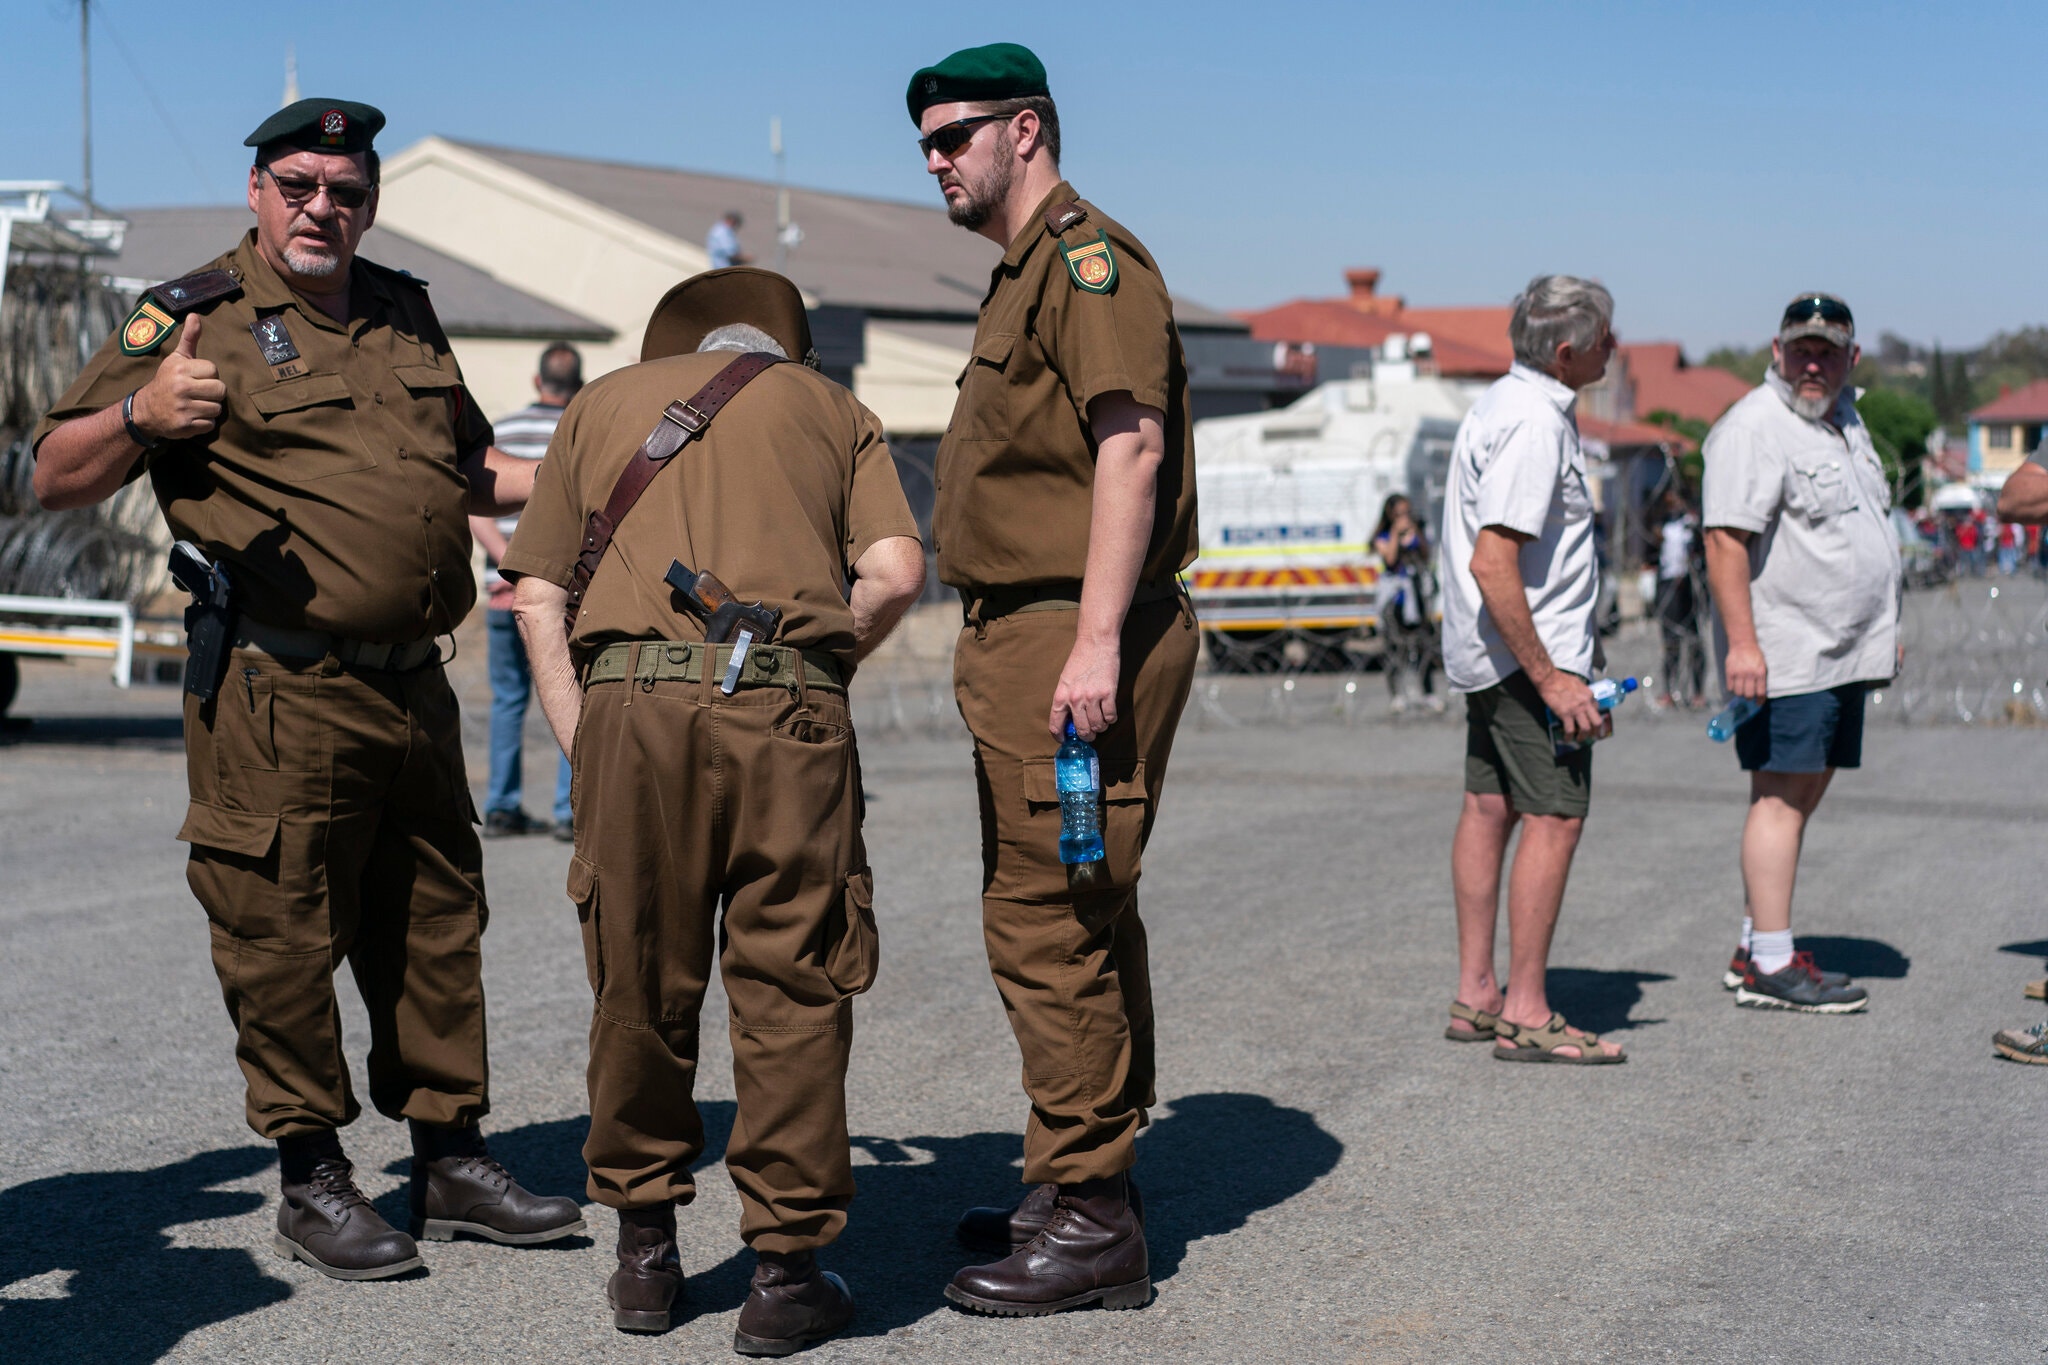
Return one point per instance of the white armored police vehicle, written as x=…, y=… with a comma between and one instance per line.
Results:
x=1286, y=576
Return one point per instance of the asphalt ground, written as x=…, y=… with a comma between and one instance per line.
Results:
x=1327, y=1179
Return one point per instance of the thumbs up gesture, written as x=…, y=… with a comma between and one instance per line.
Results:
x=184, y=400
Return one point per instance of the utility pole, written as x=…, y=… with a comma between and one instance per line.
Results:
x=781, y=197
x=85, y=92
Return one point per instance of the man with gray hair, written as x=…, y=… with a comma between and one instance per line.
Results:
x=1804, y=567
x=718, y=771
x=1520, y=585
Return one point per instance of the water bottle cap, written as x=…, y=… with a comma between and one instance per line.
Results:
x=1629, y=684
x=1070, y=729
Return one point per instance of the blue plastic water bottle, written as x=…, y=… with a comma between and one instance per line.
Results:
x=1607, y=692
x=1080, y=783
x=1732, y=717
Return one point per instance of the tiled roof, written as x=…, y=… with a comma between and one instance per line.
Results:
x=879, y=254
x=1455, y=332
x=2026, y=404
x=1630, y=433
x=162, y=244
x=1664, y=382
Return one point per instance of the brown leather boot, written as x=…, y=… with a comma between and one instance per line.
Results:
x=1092, y=1250
x=457, y=1186
x=998, y=1232
x=793, y=1305
x=649, y=1280
x=324, y=1220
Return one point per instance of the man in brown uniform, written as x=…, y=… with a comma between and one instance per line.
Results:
x=310, y=433
x=709, y=774
x=1066, y=509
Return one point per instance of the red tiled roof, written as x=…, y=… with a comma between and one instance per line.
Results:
x=1468, y=341
x=1631, y=433
x=1665, y=382
x=2027, y=404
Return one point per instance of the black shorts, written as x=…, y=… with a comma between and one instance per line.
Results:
x=1809, y=732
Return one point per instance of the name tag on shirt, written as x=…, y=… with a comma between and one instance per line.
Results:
x=279, y=351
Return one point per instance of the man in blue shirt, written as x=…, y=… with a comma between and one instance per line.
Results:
x=723, y=243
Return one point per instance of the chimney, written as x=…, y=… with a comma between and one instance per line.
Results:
x=1365, y=296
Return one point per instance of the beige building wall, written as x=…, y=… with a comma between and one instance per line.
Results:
x=2007, y=457
x=535, y=237
x=605, y=266
x=908, y=382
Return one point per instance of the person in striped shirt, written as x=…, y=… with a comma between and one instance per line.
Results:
x=526, y=434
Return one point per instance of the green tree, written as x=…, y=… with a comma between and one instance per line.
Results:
x=1748, y=365
x=1898, y=424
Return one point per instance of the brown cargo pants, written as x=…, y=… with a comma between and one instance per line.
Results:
x=331, y=821
x=687, y=798
x=1071, y=967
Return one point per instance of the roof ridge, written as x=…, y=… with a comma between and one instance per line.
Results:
x=754, y=182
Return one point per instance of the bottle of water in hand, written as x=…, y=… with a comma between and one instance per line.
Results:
x=1609, y=692
x=1731, y=718
x=1080, y=783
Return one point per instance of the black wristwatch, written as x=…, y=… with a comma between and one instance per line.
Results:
x=135, y=433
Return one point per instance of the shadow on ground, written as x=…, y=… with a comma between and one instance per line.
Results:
x=2033, y=947
x=139, y=732
x=131, y=1296
x=1206, y=1167
x=1598, y=1002
x=1859, y=957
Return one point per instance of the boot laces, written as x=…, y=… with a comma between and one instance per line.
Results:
x=332, y=1181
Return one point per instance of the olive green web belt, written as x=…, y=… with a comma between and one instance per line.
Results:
x=986, y=604
x=674, y=661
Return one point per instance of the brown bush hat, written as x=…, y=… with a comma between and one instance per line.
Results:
x=704, y=303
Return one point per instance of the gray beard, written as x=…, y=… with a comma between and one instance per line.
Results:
x=983, y=198
x=312, y=265
x=1813, y=409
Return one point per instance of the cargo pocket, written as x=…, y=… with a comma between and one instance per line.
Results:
x=246, y=834
x=1123, y=811
x=583, y=891
x=855, y=952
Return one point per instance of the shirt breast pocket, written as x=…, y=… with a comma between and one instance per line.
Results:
x=982, y=412
x=431, y=394
x=309, y=428
x=1821, y=489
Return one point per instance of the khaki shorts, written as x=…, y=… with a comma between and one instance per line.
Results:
x=1508, y=752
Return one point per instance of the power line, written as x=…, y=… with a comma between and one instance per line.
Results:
x=199, y=174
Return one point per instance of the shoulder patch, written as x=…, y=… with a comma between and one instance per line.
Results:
x=146, y=328
x=1060, y=217
x=1091, y=264
x=182, y=295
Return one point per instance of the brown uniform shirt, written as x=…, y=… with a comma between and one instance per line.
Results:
x=788, y=486
x=330, y=487
x=1016, y=470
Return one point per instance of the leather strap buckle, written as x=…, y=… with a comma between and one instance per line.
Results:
x=687, y=415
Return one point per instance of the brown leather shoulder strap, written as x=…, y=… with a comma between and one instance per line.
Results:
x=680, y=423
x=1060, y=217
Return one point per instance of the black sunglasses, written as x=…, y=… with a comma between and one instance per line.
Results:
x=298, y=193
x=1831, y=311
x=949, y=138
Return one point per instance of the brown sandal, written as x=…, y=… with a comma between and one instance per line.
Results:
x=1515, y=1043
x=1483, y=1025
x=2035, y=990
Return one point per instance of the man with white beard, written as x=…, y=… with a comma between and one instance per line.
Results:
x=1804, y=568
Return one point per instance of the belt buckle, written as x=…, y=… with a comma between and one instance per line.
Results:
x=687, y=415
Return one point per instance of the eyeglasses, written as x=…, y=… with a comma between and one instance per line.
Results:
x=298, y=193
x=1831, y=311
x=949, y=138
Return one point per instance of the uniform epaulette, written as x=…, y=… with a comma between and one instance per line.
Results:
x=1060, y=217
x=162, y=305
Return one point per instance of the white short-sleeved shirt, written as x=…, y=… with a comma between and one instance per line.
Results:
x=1517, y=464
x=1823, y=557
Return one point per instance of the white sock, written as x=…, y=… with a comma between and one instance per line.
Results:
x=1771, y=951
x=1747, y=926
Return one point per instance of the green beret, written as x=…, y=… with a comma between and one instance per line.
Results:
x=320, y=126
x=976, y=75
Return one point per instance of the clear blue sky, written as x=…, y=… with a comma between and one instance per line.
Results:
x=1705, y=160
